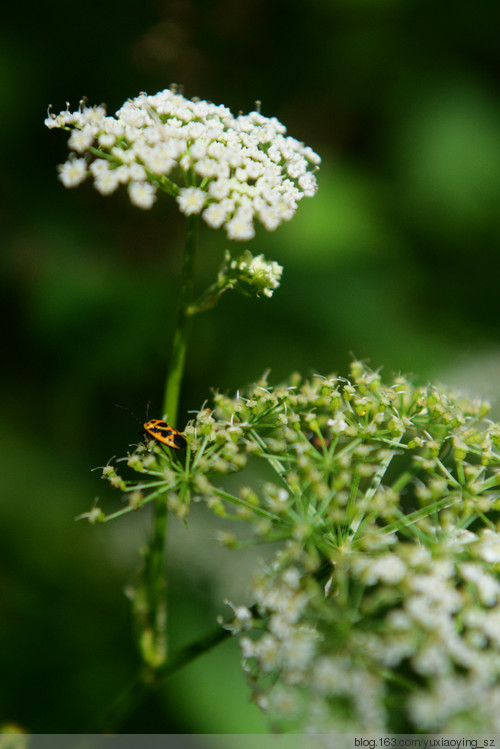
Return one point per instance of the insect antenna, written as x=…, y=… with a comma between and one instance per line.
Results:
x=129, y=411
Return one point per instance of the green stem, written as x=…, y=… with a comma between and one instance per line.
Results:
x=146, y=682
x=179, y=345
x=154, y=646
x=157, y=586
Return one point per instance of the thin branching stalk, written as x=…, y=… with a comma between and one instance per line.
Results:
x=147, y=680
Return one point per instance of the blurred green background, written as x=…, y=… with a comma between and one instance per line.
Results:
x=396, y=260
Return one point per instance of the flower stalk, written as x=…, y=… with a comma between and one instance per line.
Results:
x=154, y=646
x=179, y=344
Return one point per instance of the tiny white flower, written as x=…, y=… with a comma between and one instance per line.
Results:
x=240, y=227
x=52, y=122
x=72, y=172
x=487, y=586
x=198, y=150
x=285, y=209
x=338, y=424
x=107, y=140
x=122, y=155
x=269, y=218
x=291, y=577
x=399, y=620
x=298, y=648
x=99, y=168
x=262, y=702
x=431, y=661
x=297, y=167
x=280, y=626
x=242, y=619
x=308, y=183
x=388, y=569
x=207, y=168
x=81, y=140
x=142, y=194
x=94, y=115
x=489, y=546
x=327, y=676
x=241, y=174
x=215, y=215
x=137, y=173
x=191, y=200
x=122, y=174
x=459, y=537
x=267, y=651
x=311, y=156
x=274, y=153
x=247, y=647
x=219, y=189
x=107, y=182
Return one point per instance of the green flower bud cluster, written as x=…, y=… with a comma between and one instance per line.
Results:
x=354, y=461
x=381, y=608
x=250, y=274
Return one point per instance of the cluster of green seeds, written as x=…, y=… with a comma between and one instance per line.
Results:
x=347, y=460
x=381, y=608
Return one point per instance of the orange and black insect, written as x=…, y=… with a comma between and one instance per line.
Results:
x=164, y=433
x=320, y=443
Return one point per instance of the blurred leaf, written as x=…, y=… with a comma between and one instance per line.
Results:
x=343, y=222
x=448, y=152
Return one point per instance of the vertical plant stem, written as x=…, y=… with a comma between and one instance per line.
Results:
x=179, y=344
x=157, y=586
x=155, y=566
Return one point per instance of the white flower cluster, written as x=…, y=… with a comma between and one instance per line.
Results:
x=310, y=681
x=253, y=272
x=285, y=646
x=435, y=619
x=232, y=170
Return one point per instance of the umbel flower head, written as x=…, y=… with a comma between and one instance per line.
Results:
x=381, y=609
x=251, y=274
x=231, y=170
